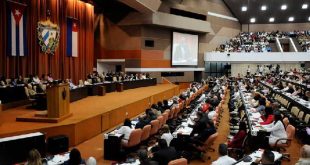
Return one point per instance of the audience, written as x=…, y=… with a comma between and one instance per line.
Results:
x=91, y=161
x=165, y=154
x=224, y=158
x=266, y=159
x=144, y=159
x=277, y=131
x=237, y=140
x=75, y=158
x=125, y=130
x=267, y=117
x=166, y=135
x=34, y=158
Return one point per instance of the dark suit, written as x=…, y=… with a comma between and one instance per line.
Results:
x=165, y=155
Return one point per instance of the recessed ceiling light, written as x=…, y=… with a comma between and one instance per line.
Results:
x=304, y=6
x=244, y=8
x=291, y=19
x=283, y=7
x=264, y=7
x=271, y=19
x=252, y=20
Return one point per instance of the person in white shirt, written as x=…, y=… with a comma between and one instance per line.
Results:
x=36, y=79
x=224, y=158
x=125, y=130
x=277, y=130
x=166, y=134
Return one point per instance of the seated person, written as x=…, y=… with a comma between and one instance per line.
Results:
x=86, y=82
x=144, y=159
x=267, y=117
x=74, y=158
x=160, y=106
x=31, y=91
x=91, y=161
x=3, y=81
x=266, y=159
x=165, y=105
x=34, y=158
x=165, y=154
x=262, y=105
x=36, y=79
x=277, y=130
x=71, y=85
x=199, y=138
x=125, y=130
x=224, y=158
x=20, y=80
x=50, y=78
x=200, y=122
x=304, y=155
x=145, y=119
x=206, y=105
x=166, y=134
x=237, y=140
x=155, y=110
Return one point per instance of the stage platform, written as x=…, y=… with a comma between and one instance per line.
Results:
x=92, y=115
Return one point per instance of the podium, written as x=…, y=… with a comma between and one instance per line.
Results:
x=58, y=101
x=58, y=106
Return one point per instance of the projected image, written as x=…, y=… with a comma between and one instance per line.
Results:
x=184, y=49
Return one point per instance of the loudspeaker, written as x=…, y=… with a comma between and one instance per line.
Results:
x=57, y=144
x=149, y=43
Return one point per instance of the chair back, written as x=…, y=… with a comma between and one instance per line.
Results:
x=306, y=120
x=166, y=116
x=181, y=161
x=290, y=131
x=161, y=121
x=155, y=126
x=210, y=141
x=146, y=132
x=286, y=122
x=177, y=111
x=295, y=111
x=134, y=138
x=171, y=113
x=300, y=115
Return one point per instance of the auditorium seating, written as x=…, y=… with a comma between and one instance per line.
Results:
x=260, y=41
x=280, y=146
x=134, y=139
x=146, y=131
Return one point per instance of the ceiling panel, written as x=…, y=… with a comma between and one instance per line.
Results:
x=273, y=10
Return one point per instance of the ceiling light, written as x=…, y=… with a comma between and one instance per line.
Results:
x=304, y=6
x=291, y=19
x=264, y=7
x=283, y=7
x=252, y=20
x=271, y=19
x=244, y=8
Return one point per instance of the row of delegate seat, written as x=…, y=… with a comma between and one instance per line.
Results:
x=140, y=135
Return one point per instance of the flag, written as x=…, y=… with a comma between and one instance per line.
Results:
x=16, y=30
x=72, y=37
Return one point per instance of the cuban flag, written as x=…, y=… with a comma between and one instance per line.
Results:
x=72, y=37
x=17, y=35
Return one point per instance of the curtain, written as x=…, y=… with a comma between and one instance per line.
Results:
x=38, y=63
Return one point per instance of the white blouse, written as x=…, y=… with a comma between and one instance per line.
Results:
x=277, y=131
